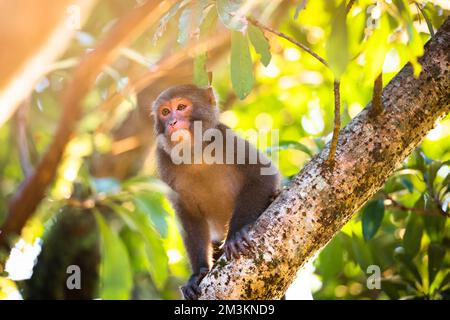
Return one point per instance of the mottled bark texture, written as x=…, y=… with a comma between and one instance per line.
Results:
x=320, y=199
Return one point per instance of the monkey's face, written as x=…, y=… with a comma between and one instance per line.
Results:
x=178, y=107
x=175, y=114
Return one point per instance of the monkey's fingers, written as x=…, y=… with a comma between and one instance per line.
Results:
x=242, y=247
x=229, y=249
x=189, y=292
x=246, y=238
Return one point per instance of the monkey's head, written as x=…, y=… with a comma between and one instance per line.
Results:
x=178, y=107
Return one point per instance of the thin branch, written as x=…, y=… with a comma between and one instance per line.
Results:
x=33, y=189
x=288, y=38
x=349, y=6
x=377, y=101
x=337, y=121
x=398, y=205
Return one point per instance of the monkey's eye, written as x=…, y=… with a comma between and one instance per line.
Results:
x=165, y=112
x=181, y=107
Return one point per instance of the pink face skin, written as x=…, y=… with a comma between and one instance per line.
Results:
x=175, y=114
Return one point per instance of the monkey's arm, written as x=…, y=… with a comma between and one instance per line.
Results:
x=254, y=198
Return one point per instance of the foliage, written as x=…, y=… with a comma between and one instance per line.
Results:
x=404, y=229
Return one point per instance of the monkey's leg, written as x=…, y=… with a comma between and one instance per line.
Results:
x=197, y=242
x=251, y=202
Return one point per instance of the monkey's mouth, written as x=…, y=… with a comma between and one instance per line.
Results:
x=177, y=127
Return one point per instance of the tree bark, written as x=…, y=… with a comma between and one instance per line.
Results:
x=321, y=199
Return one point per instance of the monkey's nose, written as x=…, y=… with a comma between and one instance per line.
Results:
x=173, y=122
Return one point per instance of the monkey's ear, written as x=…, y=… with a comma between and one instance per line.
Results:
x=211, y=95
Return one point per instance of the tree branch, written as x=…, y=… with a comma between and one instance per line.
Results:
x=318, y=203
x=337, y=122
x=377, y=101
x=33, y=189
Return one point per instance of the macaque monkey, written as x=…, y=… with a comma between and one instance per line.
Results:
x=216, y=201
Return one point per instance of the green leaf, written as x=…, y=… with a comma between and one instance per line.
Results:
x=407, y=183
x=408, y=269
x=331, y=259
x=189, y=22
x=116, y=278
x=372, y=216
x=156, y=254
x=136, y=249
x=151, y=205
x=260, y=43
x=162, y=26
x=361, y=252
x=376, y=49
x=241, y=65
x=434, y=225
x=228, y=14
x=209, y=21
x=337, y=43
x=436, y=254
x=427, y=19
x=413, y=235
x=200, y=74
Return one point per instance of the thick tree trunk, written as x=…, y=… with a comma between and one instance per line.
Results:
x=320, y=200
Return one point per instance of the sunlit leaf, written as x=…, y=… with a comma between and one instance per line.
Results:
x=162, y=26
x=136, y=249
x=116, y=278
x=189, y=22
x=260, y=43
x=376, y=49
x=156, y=254
x=331, y=259
x=337, y=43
x=228, y=11
x=241, y=65
x=372, y=216
x=152, y=206
x=200, y=73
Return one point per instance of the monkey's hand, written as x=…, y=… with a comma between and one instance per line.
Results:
x=191, y=290
x=237, y=243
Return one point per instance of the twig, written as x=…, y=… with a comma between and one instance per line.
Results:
x=377, y=101
x=349, y=6
x=33, y=189
x=400, y=206
x=288, y=38
x=337, y=121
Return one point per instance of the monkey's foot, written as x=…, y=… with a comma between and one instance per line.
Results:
x=238, y=244
x=191, y=290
